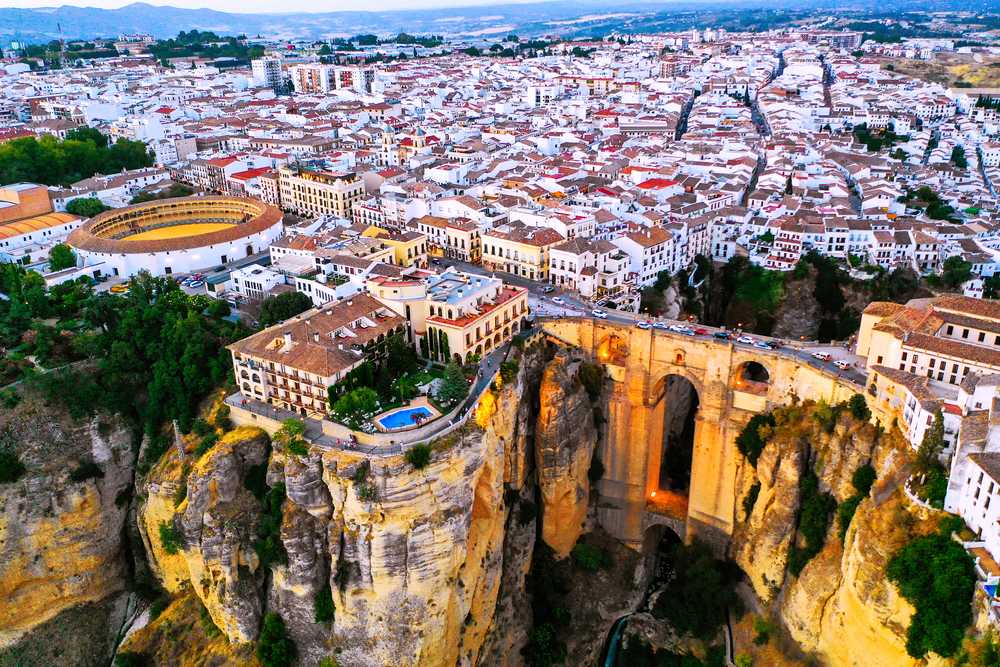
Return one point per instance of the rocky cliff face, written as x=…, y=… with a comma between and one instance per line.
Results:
x=61, y=523
x=414, y=558
x=564, y=445
x=204, y=502
x=840, y=608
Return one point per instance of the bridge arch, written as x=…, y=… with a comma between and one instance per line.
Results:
x=671, y=439
x=751, y=375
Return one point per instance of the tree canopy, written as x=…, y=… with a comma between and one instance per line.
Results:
x=82, y=154
x=280, y=307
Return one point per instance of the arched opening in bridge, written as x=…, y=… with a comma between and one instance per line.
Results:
x=656, y=542
x=676, y=446
x=753, y=377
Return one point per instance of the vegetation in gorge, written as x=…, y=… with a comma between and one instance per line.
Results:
x=547, y=582
x=862, y=481
x=268, y=544
x=935, y=574
x=323, y=609
x=274, y=647
x=637, y=653
x=699, y=591
x=815, y=512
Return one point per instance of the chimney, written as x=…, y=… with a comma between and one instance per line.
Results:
x=288, y=339
x=315, y=336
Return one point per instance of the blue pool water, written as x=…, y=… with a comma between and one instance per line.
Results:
x=404, y=417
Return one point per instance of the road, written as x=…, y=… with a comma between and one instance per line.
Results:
x=543, y=305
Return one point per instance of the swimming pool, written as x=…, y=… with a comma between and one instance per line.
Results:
x=405, y=417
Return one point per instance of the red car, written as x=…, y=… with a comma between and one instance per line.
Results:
x=701, y=332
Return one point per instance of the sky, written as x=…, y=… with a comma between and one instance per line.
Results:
x=267, y=5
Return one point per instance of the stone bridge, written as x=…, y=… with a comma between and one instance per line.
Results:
x=649, y=373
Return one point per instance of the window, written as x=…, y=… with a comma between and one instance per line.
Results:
x=982, y=337
x=951, y=330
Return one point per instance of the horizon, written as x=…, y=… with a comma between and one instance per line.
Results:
x=289, y=6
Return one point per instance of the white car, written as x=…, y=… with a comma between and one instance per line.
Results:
x=746, y=340
x=599, y=314
x=643, y=324
x=558, y=300
x=677, y=328
x=661, y=326
x=822, y=356
x=763, y=344
x=842, y=365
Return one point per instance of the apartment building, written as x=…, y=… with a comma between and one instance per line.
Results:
x=291, y=365
x=454, y=315
x=650, y=250
x=457, y=238
x=316, y=193
x=596, y=269
x=520, y=250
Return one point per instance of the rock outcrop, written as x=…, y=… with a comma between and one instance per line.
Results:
x=61, y=523
x=206, y=503
x=565, y=437
x=841, y=608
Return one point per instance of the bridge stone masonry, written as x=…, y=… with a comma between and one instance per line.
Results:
x=649, y=370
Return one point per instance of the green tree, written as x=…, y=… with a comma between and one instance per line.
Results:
x=955, y=271
x=958, y=157
x=699, y=592
x=275, y=647
x=11, y=468
x=170, y=537
x=61, y=256
x=935, y=574
x=859, y=408
x=86, y=207
x=278, y=308
x=454, y=386
x=931, y=446
x=356, y=406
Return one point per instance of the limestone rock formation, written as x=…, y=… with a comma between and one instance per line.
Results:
x=61, y=522
x=841, y=608
x=565, y=437
x=217, y=521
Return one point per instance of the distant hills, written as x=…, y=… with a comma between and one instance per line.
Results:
x=571, y=19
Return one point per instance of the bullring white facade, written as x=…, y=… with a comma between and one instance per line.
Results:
x=250, y=226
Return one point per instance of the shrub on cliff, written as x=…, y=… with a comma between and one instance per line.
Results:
x=859, y=407
x=323, y=609
x=11, y=467
x=590, y=558
x=268, y=544
x=750, y=442
x=592, y=378
x=274, y=647
x=815, y=511
x=171, y=538
x=419, y=456
x=936, y=575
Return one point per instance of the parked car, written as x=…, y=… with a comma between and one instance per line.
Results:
x=822, y=356
x=548, y=289
x=120, y=288
x=599, y=314
x=644, y=324
x=701, y=332
x=559, y=300
x=662, y=326
x=721, y=335
x=842, y=365
x=746, y=340
x=195, y=284
x=763, y=344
